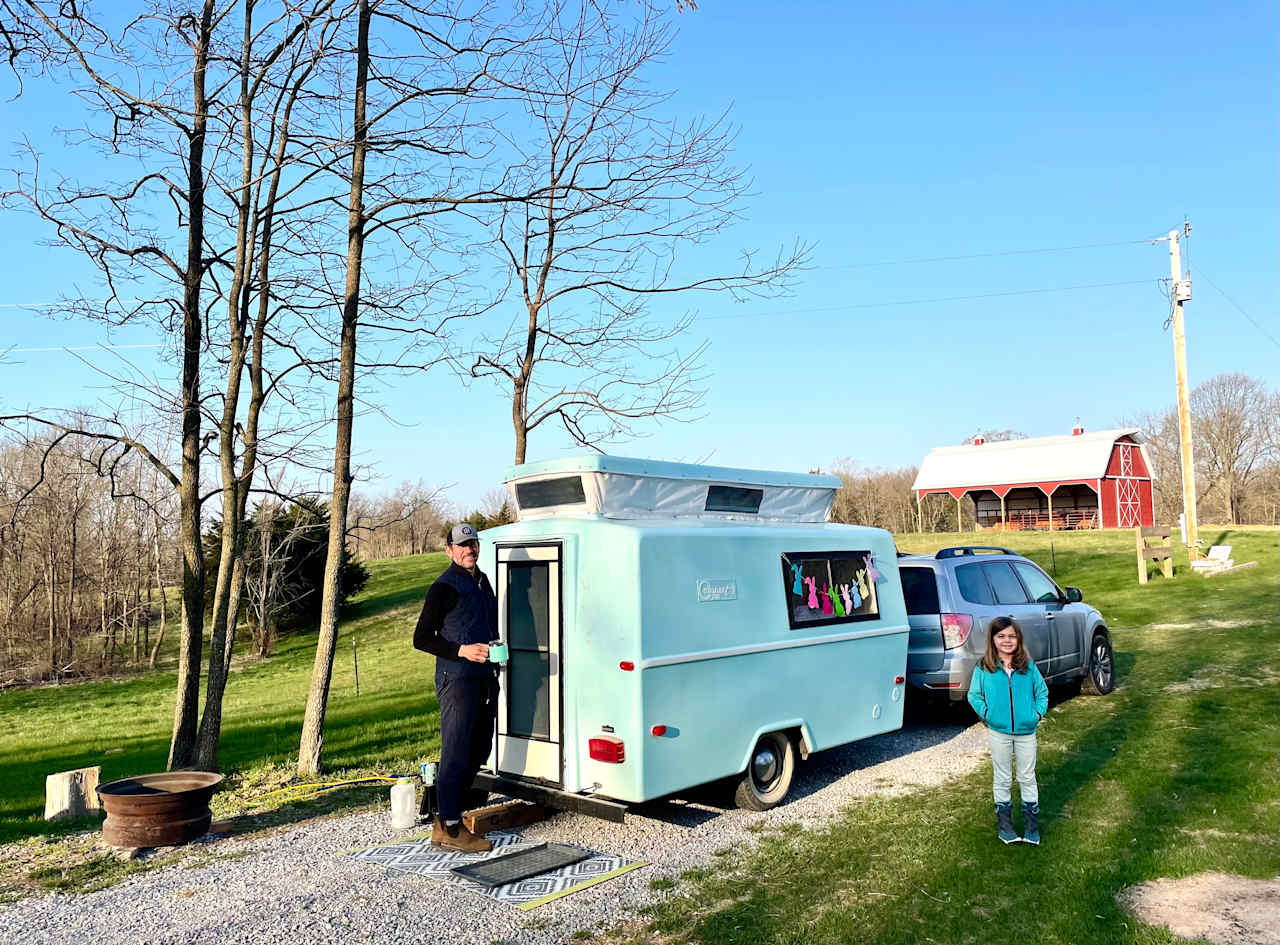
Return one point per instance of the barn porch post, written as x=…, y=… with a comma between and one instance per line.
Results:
x=919, y=515
x=1004, y=524
x=959, y=520
x=1050, y=496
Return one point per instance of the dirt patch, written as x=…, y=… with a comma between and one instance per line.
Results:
x=1202, y=625
x=1231, y=910
x=1217, y=677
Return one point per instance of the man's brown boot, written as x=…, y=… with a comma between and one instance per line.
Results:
x=457, y=837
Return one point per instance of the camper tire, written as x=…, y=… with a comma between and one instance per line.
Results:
x=769, y=771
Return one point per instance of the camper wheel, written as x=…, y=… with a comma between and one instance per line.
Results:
x=768, y=776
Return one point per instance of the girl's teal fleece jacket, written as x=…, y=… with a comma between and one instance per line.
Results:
x=1010, y=704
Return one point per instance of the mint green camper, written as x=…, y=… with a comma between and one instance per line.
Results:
x=670, y=625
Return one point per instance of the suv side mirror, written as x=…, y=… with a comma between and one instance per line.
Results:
x=1073, y=595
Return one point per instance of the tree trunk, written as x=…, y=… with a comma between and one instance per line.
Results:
x=187, y=704
x=312, y=741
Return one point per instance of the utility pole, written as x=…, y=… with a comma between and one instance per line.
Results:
x=1182, y=293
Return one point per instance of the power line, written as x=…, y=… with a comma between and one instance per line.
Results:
x=1007, y=252
x=76, y=348
x=1236, y=306
x=951, y=298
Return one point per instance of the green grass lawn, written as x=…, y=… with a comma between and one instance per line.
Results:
x=125, y=725
x=1174, y=773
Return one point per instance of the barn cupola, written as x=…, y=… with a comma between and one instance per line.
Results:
x=979, y=440
x=1077, y=430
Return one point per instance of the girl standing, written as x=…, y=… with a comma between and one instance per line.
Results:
x=1011, y=697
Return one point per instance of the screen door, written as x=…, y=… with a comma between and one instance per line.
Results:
x=528, y=739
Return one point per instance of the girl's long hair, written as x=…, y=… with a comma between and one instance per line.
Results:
x=991, y=659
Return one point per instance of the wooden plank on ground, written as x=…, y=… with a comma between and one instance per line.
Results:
x=506, y=814
x=1239, y=567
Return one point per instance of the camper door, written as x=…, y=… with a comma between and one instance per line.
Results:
x=528, y=737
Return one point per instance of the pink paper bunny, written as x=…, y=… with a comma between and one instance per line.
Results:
x=813, y=592
x=827, y=609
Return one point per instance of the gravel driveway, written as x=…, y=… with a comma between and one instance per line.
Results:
x=292, y=885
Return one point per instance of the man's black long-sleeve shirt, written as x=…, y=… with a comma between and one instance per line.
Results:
x=441, y=599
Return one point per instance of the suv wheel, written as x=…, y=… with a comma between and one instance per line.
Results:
x=768, y=776
x=1100, y=674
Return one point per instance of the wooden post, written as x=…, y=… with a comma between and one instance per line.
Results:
x=1163, y=555
x=1004, y=521
x=1050, y=511
x=959, y=521
x=69, y=794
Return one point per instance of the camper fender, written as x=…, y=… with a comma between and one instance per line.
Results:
x=796, y=728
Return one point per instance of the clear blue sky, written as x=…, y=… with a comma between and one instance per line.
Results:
x=885, y=134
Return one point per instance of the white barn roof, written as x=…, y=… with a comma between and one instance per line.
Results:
x=1042, y=459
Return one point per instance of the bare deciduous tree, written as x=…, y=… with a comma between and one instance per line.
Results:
x=1229, y=422
x=619, y=190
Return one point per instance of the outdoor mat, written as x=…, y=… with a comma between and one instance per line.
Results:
x=522, y=864
x=417, y=855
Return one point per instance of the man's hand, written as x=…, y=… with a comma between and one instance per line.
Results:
x=476, y=652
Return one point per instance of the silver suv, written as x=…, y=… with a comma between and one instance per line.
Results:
x=953, y=596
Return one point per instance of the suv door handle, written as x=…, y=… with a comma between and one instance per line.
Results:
x=1050, y=615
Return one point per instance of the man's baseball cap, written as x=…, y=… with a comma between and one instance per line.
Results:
x=463, y=532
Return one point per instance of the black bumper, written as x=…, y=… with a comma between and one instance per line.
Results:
x=611, y=811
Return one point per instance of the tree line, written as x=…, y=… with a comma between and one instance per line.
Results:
x=1235, y=427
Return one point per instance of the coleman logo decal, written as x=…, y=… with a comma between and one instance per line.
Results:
x=717, y=590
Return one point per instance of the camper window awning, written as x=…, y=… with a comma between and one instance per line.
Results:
x=623, y=488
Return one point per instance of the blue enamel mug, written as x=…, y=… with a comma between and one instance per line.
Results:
x=497, y=652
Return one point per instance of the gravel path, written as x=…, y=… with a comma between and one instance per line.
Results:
x=292, y=886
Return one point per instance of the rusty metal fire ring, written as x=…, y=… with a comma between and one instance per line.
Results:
x=158, y=810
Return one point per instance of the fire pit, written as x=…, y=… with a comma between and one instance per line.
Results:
x=158, y=810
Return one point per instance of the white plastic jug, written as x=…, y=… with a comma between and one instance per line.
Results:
x=403, y=815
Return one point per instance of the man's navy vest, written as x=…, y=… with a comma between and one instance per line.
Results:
x=474, y=619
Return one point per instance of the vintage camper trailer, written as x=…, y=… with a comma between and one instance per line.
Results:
x=669, y=625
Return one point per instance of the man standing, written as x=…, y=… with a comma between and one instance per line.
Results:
x=459, y=618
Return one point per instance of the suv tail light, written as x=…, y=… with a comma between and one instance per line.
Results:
x=607, y=748
x=955, y=629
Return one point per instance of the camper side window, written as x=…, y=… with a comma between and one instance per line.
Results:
x=567, y=490
x=828, y=587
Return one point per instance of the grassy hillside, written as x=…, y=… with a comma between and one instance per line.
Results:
x=125, y=725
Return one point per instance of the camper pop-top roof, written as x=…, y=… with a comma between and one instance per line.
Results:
x=623, y=488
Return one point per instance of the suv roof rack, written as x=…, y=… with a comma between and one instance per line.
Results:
x=961, y=550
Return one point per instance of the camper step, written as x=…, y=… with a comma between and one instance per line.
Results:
x=506, y=814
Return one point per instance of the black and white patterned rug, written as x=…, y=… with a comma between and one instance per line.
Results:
x=417, y=855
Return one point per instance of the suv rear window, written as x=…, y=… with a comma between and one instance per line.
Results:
x=920, y=588
x=973, y=586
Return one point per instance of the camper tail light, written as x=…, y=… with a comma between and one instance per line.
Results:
x=955, y=629
x=626, y=666
x=659, y=730
x=899, y=680
x=607, y=748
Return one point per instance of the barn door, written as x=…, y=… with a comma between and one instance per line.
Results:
x=1128, y=496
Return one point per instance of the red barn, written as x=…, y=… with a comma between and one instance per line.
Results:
x=1085, y=480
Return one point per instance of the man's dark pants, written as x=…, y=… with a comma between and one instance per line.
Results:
x=468, y=707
